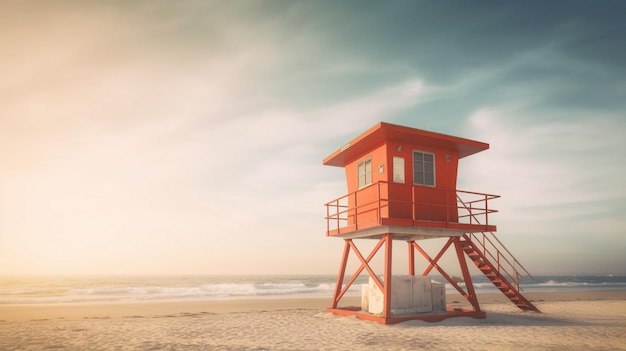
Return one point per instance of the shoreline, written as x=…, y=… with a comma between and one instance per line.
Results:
x=114, y=310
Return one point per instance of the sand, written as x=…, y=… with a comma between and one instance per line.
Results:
x=571, y=321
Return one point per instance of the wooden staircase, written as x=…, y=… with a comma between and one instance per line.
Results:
x=501, y=270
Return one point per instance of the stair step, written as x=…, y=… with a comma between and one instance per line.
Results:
x=475, y=252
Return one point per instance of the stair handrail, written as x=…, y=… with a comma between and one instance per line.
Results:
x=516, y=264
x=500, y=268
x=498, y=249
x=498, y=241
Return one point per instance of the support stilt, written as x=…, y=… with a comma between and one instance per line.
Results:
x=411, y=258
x=342, y=271
x=467, y=278
x=387, y=292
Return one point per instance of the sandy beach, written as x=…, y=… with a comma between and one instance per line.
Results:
x=571, y=321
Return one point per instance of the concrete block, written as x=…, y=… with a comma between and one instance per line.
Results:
x=408, y=295
x=439, y=296
x=365, y=292
x=401, y=292
x=422, y=294
x=375, y=298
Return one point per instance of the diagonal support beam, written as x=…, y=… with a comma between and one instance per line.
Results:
x=365, y=263
x=349, y=245
x=433, y=264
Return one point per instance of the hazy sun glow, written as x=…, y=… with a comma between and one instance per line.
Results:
x=155, y=137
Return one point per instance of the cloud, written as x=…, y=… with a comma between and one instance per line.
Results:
x=77, y=67
x=200, y=176
x=547, y=172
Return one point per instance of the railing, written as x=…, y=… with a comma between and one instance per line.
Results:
x=368, y=206
x=475, y=206
x=346, y=213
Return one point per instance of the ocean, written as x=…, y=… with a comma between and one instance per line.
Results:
x=76, y=289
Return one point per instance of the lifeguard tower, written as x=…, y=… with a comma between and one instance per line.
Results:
x=402, y=187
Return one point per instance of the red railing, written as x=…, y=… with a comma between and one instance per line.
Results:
x=370, y=205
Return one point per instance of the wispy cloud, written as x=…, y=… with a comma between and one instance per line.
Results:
x=548, y=172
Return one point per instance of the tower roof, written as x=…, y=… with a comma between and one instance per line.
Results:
x=383, y=132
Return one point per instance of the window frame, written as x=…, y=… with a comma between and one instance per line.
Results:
x=434, y=173
x=364, y=162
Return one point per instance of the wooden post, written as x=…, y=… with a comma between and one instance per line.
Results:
x=387, y=292
x=411, y=258
x=469, y=286
x=342, y=272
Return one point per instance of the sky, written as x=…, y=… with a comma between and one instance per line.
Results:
x=160, y=137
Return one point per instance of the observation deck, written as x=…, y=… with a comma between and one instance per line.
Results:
x=370, y=212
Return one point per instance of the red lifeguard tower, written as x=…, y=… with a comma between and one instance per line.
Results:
x=402, y=187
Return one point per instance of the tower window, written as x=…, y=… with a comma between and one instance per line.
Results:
x=423, y=168
x=364, y=171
